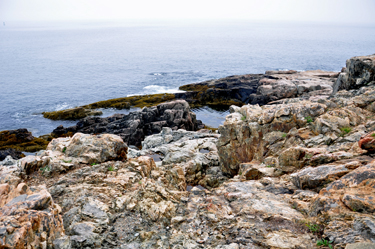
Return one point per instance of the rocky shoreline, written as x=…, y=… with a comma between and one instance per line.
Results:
x=292, y=167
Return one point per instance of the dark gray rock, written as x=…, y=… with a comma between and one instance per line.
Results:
x=360, y=71
x=133, y=127
x=15, y=154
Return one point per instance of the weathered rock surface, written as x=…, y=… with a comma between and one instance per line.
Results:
x=282, y=175
x=360, y=71
x=195, y=152
x=233, y=90
x=133, y=128
x=322, y=146
x=63, y=154
x=28, y=216
x=138, y=204
x=367, y=142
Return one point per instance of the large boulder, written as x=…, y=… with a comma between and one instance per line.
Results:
x=360, y=71
x=64, y=154
x=255, y=133
x=133, y=127
x=195, y=152
x=91, y=148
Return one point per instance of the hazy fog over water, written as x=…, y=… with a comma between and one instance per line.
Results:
x=333, y=11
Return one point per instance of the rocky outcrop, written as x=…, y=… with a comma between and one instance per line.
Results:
x=133, y=128
x=322, y=146
x=298, y=172
x=195, y=152
x=21, y=140
x=64, y=154
x=359, y=71
x=254, y=133
x=28, y=216
x=142, y=204
x=233, y=90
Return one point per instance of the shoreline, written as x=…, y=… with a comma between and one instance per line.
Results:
x=297, y=172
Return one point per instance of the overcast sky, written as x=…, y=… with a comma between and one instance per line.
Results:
x=338, y=11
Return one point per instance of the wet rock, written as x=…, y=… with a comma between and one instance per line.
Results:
x=133, y=128
x=71, y=114
x=15, y=154
x=258, y=88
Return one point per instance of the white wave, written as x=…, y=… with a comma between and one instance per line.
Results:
x=63, y=106
x=154, y=89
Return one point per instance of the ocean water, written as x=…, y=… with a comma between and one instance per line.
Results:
x=54, y=66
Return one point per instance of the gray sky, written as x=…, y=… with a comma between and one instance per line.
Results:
x=338, y=11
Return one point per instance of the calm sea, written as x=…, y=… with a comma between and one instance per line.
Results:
x=53, y=66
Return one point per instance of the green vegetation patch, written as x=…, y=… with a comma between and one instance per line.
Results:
x=345, y=130
x=309, y=119
x=324, y=242
x=314, y=228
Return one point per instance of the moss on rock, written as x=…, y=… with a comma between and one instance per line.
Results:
x=71, y=114
x=119, y=103
x=195, y=87
x=21, y=140
x=132, y=101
